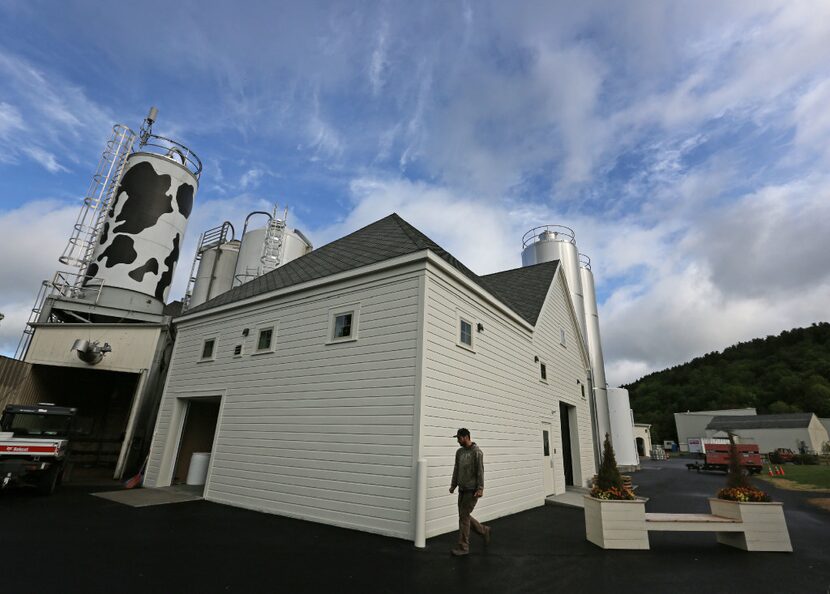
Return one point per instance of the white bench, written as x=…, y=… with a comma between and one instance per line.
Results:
x=733, y=532
x=691, y=523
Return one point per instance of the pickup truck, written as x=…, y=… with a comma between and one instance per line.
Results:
x=717, y=458
x=34, y=441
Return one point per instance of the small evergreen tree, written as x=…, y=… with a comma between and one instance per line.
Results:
x=608, y=476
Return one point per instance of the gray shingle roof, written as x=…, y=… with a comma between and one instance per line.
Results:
x=785, y=421
x=522, y=289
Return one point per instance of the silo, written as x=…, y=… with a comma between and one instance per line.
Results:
x=249, y=263
x=555, y=242
x=622, y=428
x=295, y=244
x=592, y=337
x=143, y=229
x=215, y=272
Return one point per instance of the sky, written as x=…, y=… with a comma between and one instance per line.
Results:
x=686, y=143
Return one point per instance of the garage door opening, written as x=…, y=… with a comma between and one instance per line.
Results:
x=104, y=400
x=198, y=430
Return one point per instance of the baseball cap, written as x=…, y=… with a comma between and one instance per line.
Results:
x=462, y=433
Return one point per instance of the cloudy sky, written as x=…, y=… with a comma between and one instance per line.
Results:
x=685, y=142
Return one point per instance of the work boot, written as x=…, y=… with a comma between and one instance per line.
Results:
x=487, y=535
x=457, y=552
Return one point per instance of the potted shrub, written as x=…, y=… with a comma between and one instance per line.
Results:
x=614, y=516
x=765, y=528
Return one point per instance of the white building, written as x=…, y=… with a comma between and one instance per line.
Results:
x=322, y=387
x=642, y=439
x=692, y=424
x=794, y=431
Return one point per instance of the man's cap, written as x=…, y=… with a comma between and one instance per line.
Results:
x=462, y=433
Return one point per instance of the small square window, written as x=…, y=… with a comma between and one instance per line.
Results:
x=342, y=325
x=266, y=337
x=208, y=348
x=466, y=336
x=543, y=371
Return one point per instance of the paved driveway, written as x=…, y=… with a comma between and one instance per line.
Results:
x=73, y=542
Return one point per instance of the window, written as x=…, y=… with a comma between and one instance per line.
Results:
x=562, y=337
x=343, y=326
x=546, y=443
x=543, y=371
x=208, y=348
x=265, y=339
x=344, y=323
x=582, y=387
x=466, y=333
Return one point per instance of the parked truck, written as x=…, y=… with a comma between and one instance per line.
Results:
x=34, y=442
x=716, y=457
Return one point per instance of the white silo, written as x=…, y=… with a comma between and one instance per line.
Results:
x=214, y=265
x=622, y=428
x=556, y=242
x=268, y=247
x=594, y=341
x=249, y=263
x=142, y=230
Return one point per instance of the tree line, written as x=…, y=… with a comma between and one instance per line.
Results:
x=778, y=374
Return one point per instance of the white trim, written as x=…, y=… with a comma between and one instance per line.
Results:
x=354, y=331
x=212, y=357
x=273, y=327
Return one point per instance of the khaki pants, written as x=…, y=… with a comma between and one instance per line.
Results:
x=466, y=503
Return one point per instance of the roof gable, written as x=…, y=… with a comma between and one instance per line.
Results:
x=523, y=289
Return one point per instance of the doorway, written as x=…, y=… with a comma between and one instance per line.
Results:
x=198, y=431
x=641, y=447
x=547, y=460
x=567, y=457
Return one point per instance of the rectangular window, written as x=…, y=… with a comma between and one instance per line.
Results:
x=546, y=443
x=207, y=348
x=343, y=326
x=344, y=323
x=466, y=333
x=543, y=371
x=266, y=337
x=562, y=337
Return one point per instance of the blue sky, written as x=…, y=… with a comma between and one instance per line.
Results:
x=686, y=143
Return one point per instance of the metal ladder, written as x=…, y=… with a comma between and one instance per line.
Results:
x=272, y=245
x=87, y=228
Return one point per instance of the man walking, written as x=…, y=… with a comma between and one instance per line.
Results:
x=468, y=476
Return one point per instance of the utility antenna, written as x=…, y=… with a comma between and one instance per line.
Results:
x=147, y=126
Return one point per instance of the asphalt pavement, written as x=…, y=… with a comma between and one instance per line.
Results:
x=74, y=542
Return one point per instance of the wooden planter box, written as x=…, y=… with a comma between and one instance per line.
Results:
x=765, y=528
x=616, y=524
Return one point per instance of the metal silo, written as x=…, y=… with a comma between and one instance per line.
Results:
x=622, y=428
x=556, y=242
x=213, y=266
x=143, y=229
x=592, y=337
x=249, y=263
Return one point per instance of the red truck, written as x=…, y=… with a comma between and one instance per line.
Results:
x=717, y=457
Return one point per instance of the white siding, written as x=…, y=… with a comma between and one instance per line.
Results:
x=496, y=392
x=316, y=431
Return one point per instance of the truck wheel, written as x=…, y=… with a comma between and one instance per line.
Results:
x=48, y=481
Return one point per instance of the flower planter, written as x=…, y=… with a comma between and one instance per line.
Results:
x=612, y=524
x=765, y=528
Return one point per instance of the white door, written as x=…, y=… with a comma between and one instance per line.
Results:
x=547, y=458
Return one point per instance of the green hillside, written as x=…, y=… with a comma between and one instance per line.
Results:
x=777, y=374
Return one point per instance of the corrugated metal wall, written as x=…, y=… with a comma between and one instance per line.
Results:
x=17, y=384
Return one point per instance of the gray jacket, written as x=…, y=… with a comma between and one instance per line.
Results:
x=468, y=473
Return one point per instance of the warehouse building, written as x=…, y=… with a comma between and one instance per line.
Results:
x=330, y=388
x=691, y=425
x=796, y=431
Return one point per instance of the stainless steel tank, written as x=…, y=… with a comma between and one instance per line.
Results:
x=592, y=337
x=556, y=242
x=249, y=264
x=141, y=238
x=295, y=244
x=215, y=273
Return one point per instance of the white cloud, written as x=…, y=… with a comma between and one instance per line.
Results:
x=45, y=159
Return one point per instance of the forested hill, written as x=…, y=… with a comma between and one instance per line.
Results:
x=777, y=374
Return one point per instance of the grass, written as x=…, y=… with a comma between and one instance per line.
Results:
x=804, y=477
